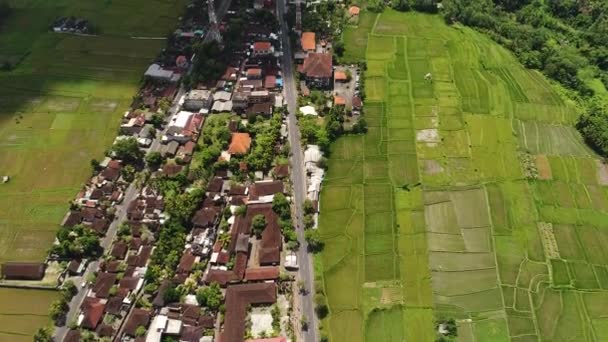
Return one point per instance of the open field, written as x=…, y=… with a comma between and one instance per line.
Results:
x=434, y=214
x=22, y=312
x=60, y=108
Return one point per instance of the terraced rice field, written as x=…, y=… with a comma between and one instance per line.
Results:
x=435, y=210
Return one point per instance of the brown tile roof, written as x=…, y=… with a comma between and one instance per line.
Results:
x=103, y=284
x=104, y=330
x=191, y=333
x=262, y=273
x=264, y=108
x=281, y=171
x=171, y=169
x=308, y=41
x=215, y=185
x=318, y=65
x=159, y=299
x=144, y=255
x=100, y=225
x=239, y=143
x=205, y=217
x=23, y=270
x=238, y=298
x=113, y=305
x=73, y=266
x=72, y=336
x=270, y=82
x=72, y=218
x=186, y=262
x=357, y=103
x=128, y=283
x=119, y=250
x=110, y=174
x=237, y=190
x=137, y=318
x=259, y=189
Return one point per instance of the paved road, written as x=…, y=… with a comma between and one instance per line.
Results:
x=298, y=177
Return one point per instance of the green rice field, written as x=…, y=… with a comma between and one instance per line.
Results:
x=22, y=312
x=435, y=212
x=62, y=105
x=60, y=108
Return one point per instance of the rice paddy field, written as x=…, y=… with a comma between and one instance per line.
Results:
x=22, y=312
x=471, y=196
x=61, y=107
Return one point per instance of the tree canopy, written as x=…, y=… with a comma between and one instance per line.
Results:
x=127, y=150
x=210, y=296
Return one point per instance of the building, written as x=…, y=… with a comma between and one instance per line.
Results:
x=238, y=299
x=198, y=99
x=23, y=270
x=261, y=49
x=353, y=11
x=317, y=70
x=308, y=42
x=264, y=109
x=240, y=143
x=340, y=76
x=254, y=73
x=156, y=72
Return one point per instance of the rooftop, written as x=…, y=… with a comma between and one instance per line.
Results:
x=308, y=41
x=239, y=143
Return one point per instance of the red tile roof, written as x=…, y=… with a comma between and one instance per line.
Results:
x=308, y=41
x=262, y=273
x=354, y=10
x=240, y=143
x=93, y=314
x=339, y=101
x=261, y=46
x=340, y=76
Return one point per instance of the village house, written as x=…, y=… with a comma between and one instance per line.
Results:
x=308, y=42
x=197, y=100
x=317, y=70
x=239, y=143
x=261, y=49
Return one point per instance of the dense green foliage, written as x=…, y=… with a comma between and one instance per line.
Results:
x=265, y=135
x=209, y=63
x=210, y=297
x=258, y=223
x=565, y=39
x=5, y=11
x=168, y=251
x=127, y=150
x=77, y=242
